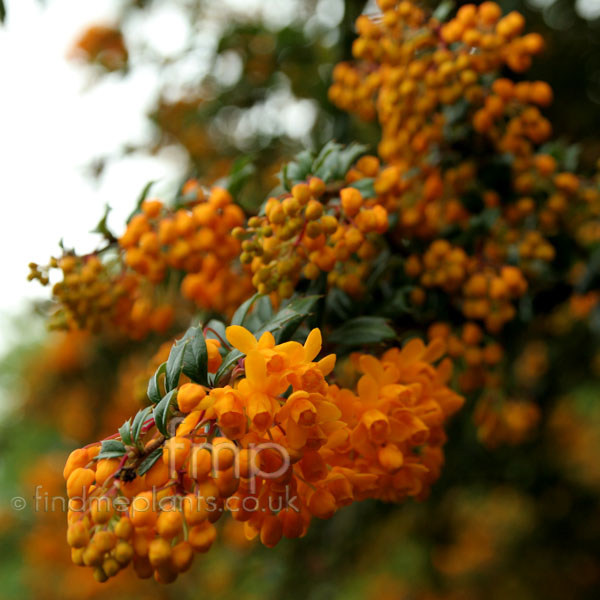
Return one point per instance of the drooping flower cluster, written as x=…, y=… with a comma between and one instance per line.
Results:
x=480, y=229
x=131, y=290
x=412, y=66
x=274, y=447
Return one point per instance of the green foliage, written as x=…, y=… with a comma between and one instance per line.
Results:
x=330, y=164
x=111, y=449
x=125, y=432
x=239, y=316
x=138, y=423
x=195, y=356
x=154, y=393
x=175, y=363
x=161, y=412
x=362, y=331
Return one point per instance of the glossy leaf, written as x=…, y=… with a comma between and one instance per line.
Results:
x=175, y=363
x=195, y=356
x=111, y=449
x=161, y=412
x=154, y=393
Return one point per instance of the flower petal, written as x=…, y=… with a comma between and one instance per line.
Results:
x=266, y=340
x=368, y=390
x=240, y=338
x=256, y=369
x=435, y=350
x=412, y=352
x=327, y=364
x=370, y=365
x=312, y=345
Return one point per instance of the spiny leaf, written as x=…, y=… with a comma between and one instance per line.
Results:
x=175, y=364
x=125, y=432
x=195, y=356
x=138, y=423
x=161, y=412
x=111, y=449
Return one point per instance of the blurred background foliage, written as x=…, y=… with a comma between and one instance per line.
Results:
x=250, y=79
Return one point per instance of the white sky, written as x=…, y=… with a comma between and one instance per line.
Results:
x=50, y=128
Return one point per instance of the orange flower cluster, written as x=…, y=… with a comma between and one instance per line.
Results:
x=315, y=230
x=275, y=447
x=103, y=45
x=195, y=240
x=480, y=291
x=435, y=89
x=412, y=67
x=192, y=244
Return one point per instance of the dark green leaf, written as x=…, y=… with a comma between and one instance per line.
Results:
x=195, y=356
x=154, y=393
x=326, y=160
x=102, y=226
x=175, y=364
x=298, y=170
x=138, y=423
x=161, y=412
x=347, y=158
x=362, y=330
x=125, y=432
x=288, y=319
x=263, y=311
x=240, y=314
x=111, y=449
x=149, y=461
x=215, y=330
x=334, y=160
x=143, y=195
x=229, y=361
x=2, y=11
x=241, y=171
x=339, y=303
